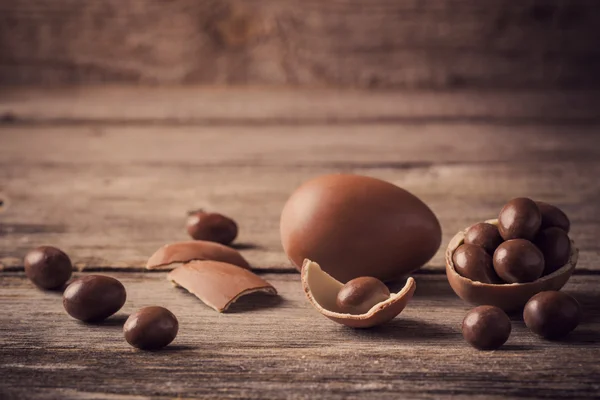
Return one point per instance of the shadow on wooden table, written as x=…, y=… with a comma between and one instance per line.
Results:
x=117, y=320
x=405, y=329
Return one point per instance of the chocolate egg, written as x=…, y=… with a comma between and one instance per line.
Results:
x=358, y=226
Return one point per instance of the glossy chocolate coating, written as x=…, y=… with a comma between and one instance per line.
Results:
x=484, y=235
x=552, y=314
x=93, y=298
x=48, y=267
x=151, y=328
x=518, y=261
x=473, y=262
x=486, y=327
x=358, y=226
x=360, y=294
x=553, y=216
x=520, y=218
x=555, y=244
x=211, y=227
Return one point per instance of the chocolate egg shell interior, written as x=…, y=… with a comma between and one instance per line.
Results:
x=321, y=289
x=509, y=297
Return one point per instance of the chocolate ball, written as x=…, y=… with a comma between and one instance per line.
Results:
x=520, y=218
x=474, y=263
x=151, y=328
x=212, y=227
x=518, y=261
x=484, y=235
x=48, y=267
x=360, y=294
x=486, y=327
x=555, y=244
x=552, y=314
x=553, y=216
x=93, y=298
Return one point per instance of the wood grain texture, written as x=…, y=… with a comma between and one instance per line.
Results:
x=282, y=348
x=385, y=43
x=111, y=195
x=193, y=105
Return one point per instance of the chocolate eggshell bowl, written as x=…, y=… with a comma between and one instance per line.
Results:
x=508, y=296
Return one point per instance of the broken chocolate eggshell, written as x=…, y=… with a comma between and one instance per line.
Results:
x=171, y=255
x=218, y=284
x=322, y=289
x=508, y=296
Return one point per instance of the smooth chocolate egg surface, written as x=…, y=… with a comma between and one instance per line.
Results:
x=358, y=226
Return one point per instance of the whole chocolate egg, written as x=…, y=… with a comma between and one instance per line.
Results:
x=358, y=226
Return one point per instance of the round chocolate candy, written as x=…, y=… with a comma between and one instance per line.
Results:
x=48, y=267
x=520, y=218
x=93, y=298
x=555, y=244
x=211, y=227
x=552, y=314
x=360, y=294
x=518, y=261
x=474, y=263
x=484, y=235
x=486, y=327
x=151, y=328
x=553, y=216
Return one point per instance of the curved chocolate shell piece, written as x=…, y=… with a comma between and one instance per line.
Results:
x=322, y=289
x=184, y=252
x=218, y=284
x=507, y=296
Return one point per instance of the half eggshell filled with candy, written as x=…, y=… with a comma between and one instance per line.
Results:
x=507, y=296
x=322, y=290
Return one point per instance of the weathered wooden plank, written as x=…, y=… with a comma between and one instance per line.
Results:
x=231, y=106
x=282, y=348
x=111, y=195
x=406, y=43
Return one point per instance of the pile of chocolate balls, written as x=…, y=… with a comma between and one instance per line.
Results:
x=530, y=241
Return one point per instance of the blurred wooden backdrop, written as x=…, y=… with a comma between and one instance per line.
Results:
x=443, y=44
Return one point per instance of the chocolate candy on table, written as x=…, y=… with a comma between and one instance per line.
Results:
x=360, y=294
x=48, y=267
x=486, y=327
x=518, y=261
x=553, y=216
x=212, y=227
x=484, y=235
x=555, y=244
x=151, y=328
x=552, y=314
x=473, y=262
x=520, y=218
x=93, y=298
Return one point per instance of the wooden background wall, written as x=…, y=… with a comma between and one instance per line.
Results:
x=352, y=43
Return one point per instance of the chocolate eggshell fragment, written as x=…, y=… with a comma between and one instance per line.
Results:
x=358, y=226
x=218, y=284
x=509, y=297
x=321, y=289
x=184, y=252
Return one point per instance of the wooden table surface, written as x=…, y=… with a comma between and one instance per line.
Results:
x=108, y=174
